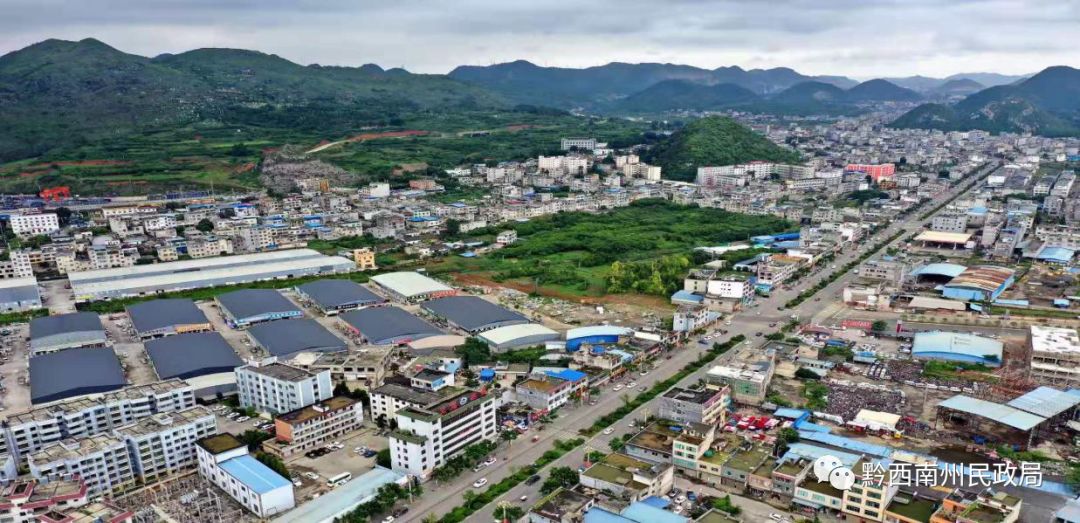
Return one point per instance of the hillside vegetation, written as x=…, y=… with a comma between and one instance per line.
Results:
x=1047, y=104
x=60, y=94
x=714, y=141
x=576, y=252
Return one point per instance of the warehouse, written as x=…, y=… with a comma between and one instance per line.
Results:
x=203, y=359
x=388, y=325
x=979, y=417
x=981, y=283
x=472, y=314
x=935, y=273
x=944, y=240
x=66, y=331
x=19, y=294
x=156, y=278
x=411, y=287
x=336, y=296
x=515, y=336
x=246, y=307
x=957, y=346
x=75, y=372
x=595, y=335
x=157, y=318
x=286, y=338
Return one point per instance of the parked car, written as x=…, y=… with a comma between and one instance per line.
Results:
x=490, y=461
x=479, y=483
x=532, y=479
x=370, y=453
x=608, y=431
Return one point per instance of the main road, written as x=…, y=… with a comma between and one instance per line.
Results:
x=440, y=498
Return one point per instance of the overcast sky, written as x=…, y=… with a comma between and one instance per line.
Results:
x=857, y=38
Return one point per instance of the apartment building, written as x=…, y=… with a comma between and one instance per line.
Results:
x=949, y=222
x=747, y=381
x=389, y=398
x=733, y=286
x=164, y=444
x=1055, y=356
x=1059, y=235
x=585, y=144
x=551, y=390
x=276, y=388
x=27, y=225
x=707, y=406
x=30, y=431
x=867, y=499
x=102, y=461
x=629, y=478
x=977, y=506
x=891, y=271
x=776, y=269
x=225, y=461
x=312, y=426
x=427, y=437
x=18, y=265
x=64, y=500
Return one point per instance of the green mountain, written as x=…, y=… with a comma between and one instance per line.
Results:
x=671, y=95
x=958, y=87
x=881, y=91
x=525, y=82
x=61, y=94
x=1047, y=103
x=713, y=141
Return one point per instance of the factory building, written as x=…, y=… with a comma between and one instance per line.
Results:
x=19, y=294
x=74, y=372
x=66, y=331
x=411, y=287
x=957, y=346
x=336, y=296
x=247, y=307
x=388, y=325
x=157, y=318
x=512, y=337
x=284, y=339
x=473, y=314
x=203, y=359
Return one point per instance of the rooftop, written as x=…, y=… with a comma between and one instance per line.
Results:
x=503, y=335
x=472, y=313
x=286, y=337
x=280, y=371
x=984, y=277
x=746, y=460
x=219, y=443
x=251, y=472
x=913, y=508
x=75, y=448
x=824, y=488
x=943, y=237
x=389, y=324
x=1003, y=414
x=251, y=303
x=191, y=355
x=409, y=284
x=158, y=422
x=74, y=372
x=323, y=408
x=1054, y=340
x=698, y=397
x=331, y=294
x=1045, y=401
x=64, y=323
x=159, y=314
x=412, y=395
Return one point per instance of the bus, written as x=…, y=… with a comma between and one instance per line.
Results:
x=339, y=480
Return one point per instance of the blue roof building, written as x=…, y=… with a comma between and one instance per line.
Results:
x=957, y=346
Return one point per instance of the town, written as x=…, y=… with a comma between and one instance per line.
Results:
x=905, y=299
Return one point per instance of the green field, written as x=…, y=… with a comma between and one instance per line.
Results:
x=225, y=157
x=581, y=253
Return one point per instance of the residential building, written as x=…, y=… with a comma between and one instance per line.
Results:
x=707, y=406
x=18, y=265
x=164, y=444
x=949, y=222
x=891, y=271
x=364, y=258
x=31, y=431
x=867, y=498
x=584, y=144
x=1055, y=356
x=27, y=225
x=551, y=390
x=747, y=381
x=427, y=437
x=102, y=461
x=776, y=269
x=277, y=388
x=875, y=172
x=389, y=398
x=977, y=506
x=225, y=461
x=629, y=478
x=312, y=426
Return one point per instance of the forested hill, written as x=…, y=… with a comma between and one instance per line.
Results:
x=714, y=141
x=60, y=93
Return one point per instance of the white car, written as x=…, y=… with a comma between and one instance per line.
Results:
x=490, y=461
x=242, y=419
x=388, y=519
x=608, y=431
x=617, y=388
x=775, y=517
x=296, y=483
x=311, y=475
x=679, y=500
x=632, y=384
x=479, y=483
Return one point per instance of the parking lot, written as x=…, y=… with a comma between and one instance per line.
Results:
x=238, y=339
x=129, y=349
x=14, y=368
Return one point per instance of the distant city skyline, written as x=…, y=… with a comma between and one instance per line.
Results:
x=861, y=39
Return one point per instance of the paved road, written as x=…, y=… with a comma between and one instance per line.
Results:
x=440, y=499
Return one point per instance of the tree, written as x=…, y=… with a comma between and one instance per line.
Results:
x=806, y=374
x=616, y=444
x=253, y=438
x=509, y=512
x=205, y=225
x=382, y=458
x=724, y=504
x=474, y=351
x=508, y=435
x=341, y=389
x=879, y=326
x=273, y=462
x=453, y=227
x=564, y=477
x=63, y=215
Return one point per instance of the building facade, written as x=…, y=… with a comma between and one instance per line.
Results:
x=277, y=388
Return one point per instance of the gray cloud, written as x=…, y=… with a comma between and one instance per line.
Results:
x=859, y=38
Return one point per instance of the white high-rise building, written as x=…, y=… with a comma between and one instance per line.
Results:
x=101, y=461
x=427, y=437
x=277, y=388
x=165, y=443
x=26, y=225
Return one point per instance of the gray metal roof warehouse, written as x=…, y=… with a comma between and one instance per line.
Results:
x=473, y=314
x=66, y=331
x=190, y=355
x=247, y=306
x=204, y=272
x=283, y=338
x=19, y=294
x=333, y=295
x=74, y=372
x=161, y=317
x=388, y=325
